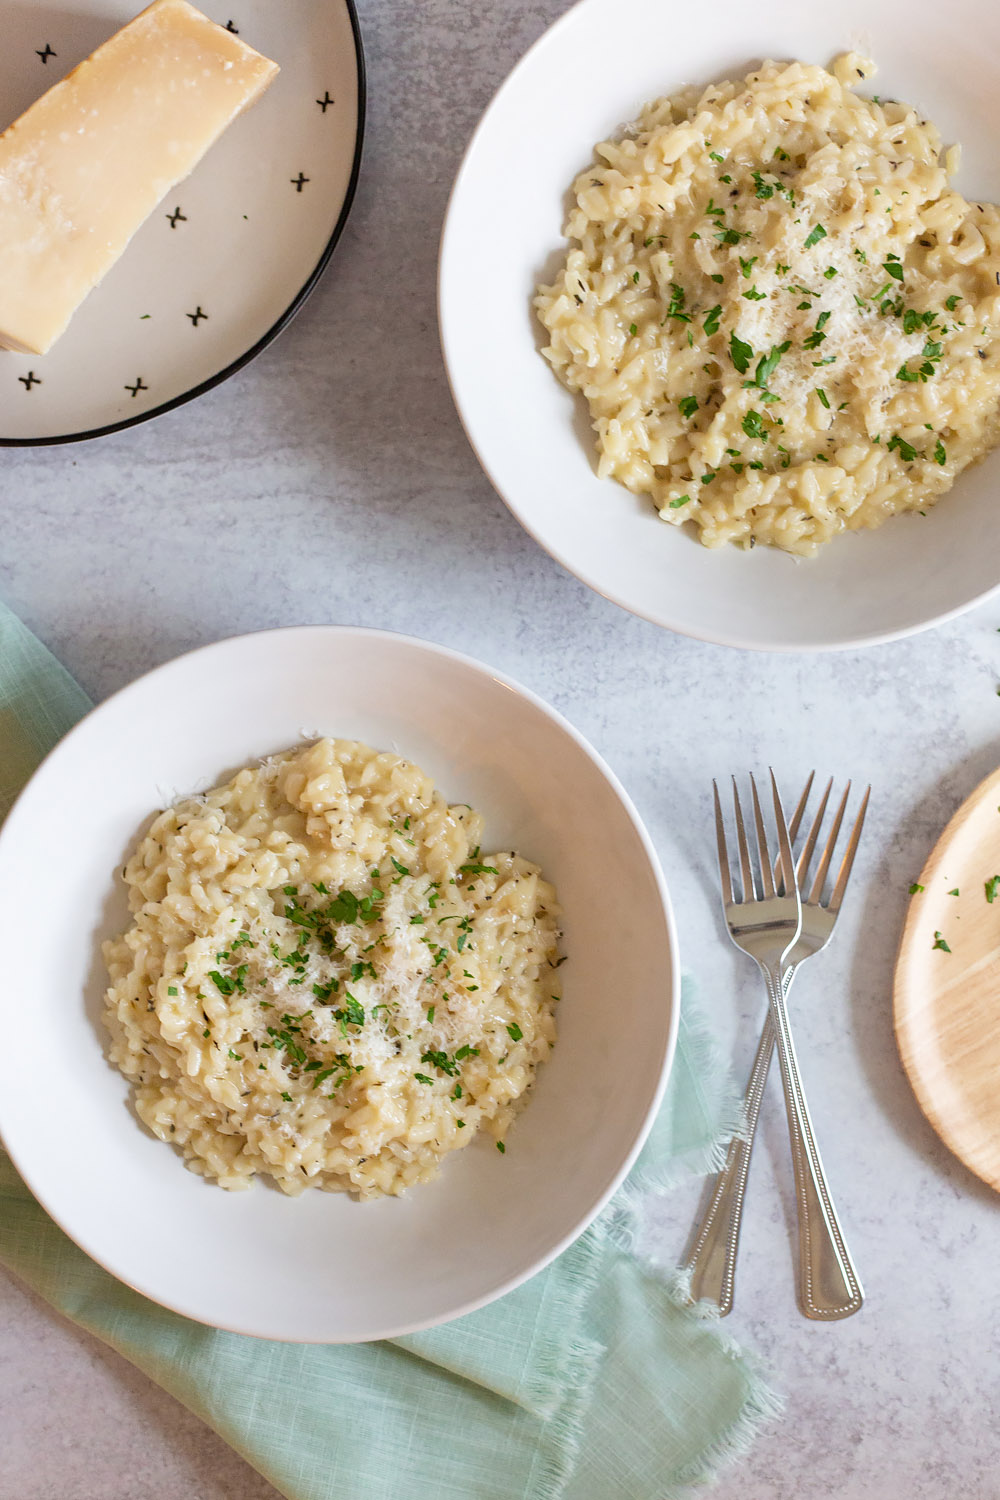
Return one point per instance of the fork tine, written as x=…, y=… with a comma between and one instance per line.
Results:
x=784, y=842
x=749, y=893
x=848, y=860
x=798, y=814
x=767, y=879
x=816, y=894
x=720, y=835
x=805, y=858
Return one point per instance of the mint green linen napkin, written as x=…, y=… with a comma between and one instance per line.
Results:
x=591, y=1382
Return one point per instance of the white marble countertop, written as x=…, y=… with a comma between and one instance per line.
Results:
x=330, y=481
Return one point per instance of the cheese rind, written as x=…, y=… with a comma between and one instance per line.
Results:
x=85, y=166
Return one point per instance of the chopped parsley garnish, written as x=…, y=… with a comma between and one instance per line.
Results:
x=633, y=329
x=422, y=1078
x=440, y=1060
x=824, y=398
x=466, y=1051
x=939, y=942
x=514, y=1032
x=764, y=189
x=992, y=887
x=223, y=983
x=717, y=278
x=915, y=889
x=711, y=324
x=400, y=869
x=829, y=273
x=430, y=1014
x=862, y=257
x=892, y=268
x=679, y=501
x=753, y=426
x=171, y=989
x=952, y=302
x=814, y=236
x=287, y=1097
x=732, y=236
x=955, y=892
x=675, y=307
x=766, y=365
x=501, y=1147
x=754, y=296
x=688, y=406
x=940, y=453
x=740, y=353
x=906, y=450
x=746, y=266
x=353, y=1012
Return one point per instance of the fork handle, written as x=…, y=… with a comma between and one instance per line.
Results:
x=828, y=1283
x=711, y=1262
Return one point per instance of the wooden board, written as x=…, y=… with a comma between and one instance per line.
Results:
x=947, y=1003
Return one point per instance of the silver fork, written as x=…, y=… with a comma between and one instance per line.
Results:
x=829, y=1286
x=714, y=1245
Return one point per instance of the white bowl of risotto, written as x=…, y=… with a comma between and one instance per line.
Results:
x=349, y=968
x=738, y=359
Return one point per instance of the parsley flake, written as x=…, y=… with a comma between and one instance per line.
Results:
x=740, y=353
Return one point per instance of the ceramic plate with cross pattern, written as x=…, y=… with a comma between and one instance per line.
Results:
x=218, y=270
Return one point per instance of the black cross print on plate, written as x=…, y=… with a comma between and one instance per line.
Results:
x=325, y=103
x=139, y=386
x=46, y=54
x=298, y=183
x=29, y=380
x=177, y=217
x=234, y=29
x=196, y=316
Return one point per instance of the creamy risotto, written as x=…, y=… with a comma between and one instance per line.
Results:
x=783, y=318
x=326, y=980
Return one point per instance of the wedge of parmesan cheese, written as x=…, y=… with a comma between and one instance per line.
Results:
x=85, y=166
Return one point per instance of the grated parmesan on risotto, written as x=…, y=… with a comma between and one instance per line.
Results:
x=783, y=318
x=325, y=980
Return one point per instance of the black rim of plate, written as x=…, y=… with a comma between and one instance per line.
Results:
x=286, y=317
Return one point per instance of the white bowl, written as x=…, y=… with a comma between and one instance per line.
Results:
x=590, y=73
x=347, y=1271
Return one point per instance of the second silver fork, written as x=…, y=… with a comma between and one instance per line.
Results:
x=829, y=1285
